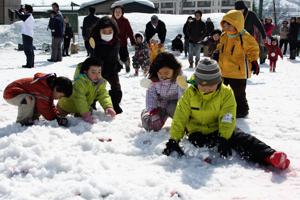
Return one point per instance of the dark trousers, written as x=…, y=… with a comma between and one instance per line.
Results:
x=186, y=46
x=56, y=51
x=298, y=48
x=293, y=49
x=115, y=92
x=28, y=50
x=88, y=48
x=284, y=43
x=247, y=146
x=124, y=54
x=239, y=89
x=67, y=42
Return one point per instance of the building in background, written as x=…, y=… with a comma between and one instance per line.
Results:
x=7, y=7
x=104, y=6
x=190, y=6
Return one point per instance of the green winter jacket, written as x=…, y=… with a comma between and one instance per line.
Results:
x=196, y=112
x=84, y=94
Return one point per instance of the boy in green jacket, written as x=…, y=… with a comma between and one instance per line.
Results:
x=206, y=113
x=88, y=87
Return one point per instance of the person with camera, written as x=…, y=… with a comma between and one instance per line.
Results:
x=25, y=14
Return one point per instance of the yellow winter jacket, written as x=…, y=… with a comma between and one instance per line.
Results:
x=205, y=113
x=154, y=50
x=236, y=52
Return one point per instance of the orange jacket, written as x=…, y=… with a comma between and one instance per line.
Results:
x=37, y=87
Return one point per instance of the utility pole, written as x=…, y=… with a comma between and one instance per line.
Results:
x=275, y=18
x=261, y=3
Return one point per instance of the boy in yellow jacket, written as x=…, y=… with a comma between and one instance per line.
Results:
x=238, y=52
x=206, y=113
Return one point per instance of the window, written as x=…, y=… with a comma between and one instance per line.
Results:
x=204, y=3
x=206, y=11
x=188, y=4
x=156, y=5
x=188, y=12
x=228, y=2
x=225, y=10
x=167, y=5
x=167, y=12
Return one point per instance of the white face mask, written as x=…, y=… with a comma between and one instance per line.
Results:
x=107, y=38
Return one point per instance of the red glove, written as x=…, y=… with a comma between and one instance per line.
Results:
x=255, y=67
x=111, y=112
x=155, y=111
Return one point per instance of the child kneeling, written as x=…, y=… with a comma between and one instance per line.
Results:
x=88, y=87
x=163, y=93
x=207, y=114
x=34, y=97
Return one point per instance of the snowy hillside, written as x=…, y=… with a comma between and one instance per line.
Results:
x=50, y=162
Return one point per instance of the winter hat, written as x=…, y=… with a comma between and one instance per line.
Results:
x=155, y=38
x=207, y=72
x=239, y=5
x=139, y=34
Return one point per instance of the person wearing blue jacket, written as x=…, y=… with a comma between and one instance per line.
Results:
x=56, y=25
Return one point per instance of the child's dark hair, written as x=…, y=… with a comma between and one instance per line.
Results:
x=61, y=84
x=164, y=59
x=104, y=22
x=64, y=85
x=274, y=39
x=216, y=31
x=88, y=63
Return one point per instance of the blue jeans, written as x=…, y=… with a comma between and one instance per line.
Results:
x=194, y=50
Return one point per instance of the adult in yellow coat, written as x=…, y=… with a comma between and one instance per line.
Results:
x=238, y=52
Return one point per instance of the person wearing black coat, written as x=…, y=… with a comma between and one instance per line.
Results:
x=104, y=39
x=177, y=44
x=292, y=36
x=88, y=23
x=298, y=36
x=67, y=36
x=209, y=27
x=156, y=26
x=56, y=25
x=196, y=32
x=251, y=19
x=186, y=36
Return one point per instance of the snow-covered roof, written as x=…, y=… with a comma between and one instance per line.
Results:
x=91, y=3
x=46, y=8
x=122, y=2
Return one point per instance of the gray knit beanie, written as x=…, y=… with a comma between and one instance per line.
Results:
x=207, y=72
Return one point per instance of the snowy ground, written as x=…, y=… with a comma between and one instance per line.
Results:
x=50, y=162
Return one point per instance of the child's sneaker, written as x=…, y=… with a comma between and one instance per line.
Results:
x=279, y=160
